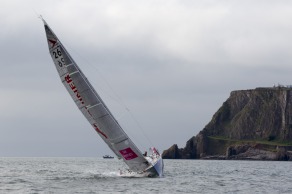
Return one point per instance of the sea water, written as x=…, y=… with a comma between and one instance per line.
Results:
x=97, y=175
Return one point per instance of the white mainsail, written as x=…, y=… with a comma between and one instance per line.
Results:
x=92, y=106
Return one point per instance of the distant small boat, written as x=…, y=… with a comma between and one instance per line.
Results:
x=108, y=157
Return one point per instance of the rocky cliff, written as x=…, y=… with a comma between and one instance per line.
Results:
x=251, y=124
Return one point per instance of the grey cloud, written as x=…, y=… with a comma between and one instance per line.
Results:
x=172, y=63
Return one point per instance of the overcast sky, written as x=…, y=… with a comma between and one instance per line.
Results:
x=170, y=63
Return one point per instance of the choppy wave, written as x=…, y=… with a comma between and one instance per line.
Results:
x=91, y=175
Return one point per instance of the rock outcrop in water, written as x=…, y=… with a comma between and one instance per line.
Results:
x=251, y=124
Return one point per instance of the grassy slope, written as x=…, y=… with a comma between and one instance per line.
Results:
x=217, y=145
x=265, y=142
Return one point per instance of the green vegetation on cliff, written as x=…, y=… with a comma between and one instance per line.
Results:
x=255, y=141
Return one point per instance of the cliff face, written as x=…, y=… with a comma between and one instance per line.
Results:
x=249, y=118
x=254, y=114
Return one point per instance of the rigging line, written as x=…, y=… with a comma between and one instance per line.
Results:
x=100, y=75
x=118, y=98
x=140, y=127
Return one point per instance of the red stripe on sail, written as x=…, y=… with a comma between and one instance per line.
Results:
x=99, y=131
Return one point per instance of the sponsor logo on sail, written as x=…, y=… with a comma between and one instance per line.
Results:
x=73, y=88
x=128, y=154
x=52, y=42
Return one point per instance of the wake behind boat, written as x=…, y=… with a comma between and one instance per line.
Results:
x=97, y=113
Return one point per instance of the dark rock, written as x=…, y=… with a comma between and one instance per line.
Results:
x=236, y=150
x=243, y=128
x=282, y=154
x=172, y=153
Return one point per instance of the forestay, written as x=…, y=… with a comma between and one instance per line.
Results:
x=92, y=106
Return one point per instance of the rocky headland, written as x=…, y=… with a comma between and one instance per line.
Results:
x=250, y=125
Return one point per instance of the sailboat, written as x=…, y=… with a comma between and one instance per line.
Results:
x=98, y=114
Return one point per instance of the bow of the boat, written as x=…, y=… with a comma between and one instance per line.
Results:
x=156, y=169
